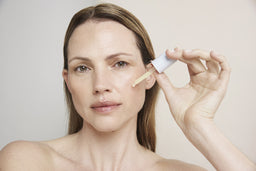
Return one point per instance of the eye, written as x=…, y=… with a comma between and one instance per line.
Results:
x=121, y=64
x=82, y=68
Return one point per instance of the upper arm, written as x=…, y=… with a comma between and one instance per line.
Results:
x=22, y=155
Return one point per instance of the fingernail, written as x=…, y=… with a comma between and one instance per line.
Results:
x=215, y=53
x=170, y=52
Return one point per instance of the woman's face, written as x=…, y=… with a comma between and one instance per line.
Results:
x=103, y=63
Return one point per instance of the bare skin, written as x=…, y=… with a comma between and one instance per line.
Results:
x=103, y=70
x=194, y=106
x=104, y=61
x=59, y=155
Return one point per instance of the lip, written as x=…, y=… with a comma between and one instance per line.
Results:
x=105, y=107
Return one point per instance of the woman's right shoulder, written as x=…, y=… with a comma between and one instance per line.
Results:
x=25, y=155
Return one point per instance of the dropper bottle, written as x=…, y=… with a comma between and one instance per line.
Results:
x=159, y=64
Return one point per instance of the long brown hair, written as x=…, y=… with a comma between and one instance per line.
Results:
x=146, y=116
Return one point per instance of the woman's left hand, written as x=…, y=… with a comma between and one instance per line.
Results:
x=201, y=97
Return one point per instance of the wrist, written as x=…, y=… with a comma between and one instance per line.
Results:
x=221, y=153
x=198, y=128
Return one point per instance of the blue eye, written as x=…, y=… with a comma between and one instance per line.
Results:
x=121, y=64
x=82, y=68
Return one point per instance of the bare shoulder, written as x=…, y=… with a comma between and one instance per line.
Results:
x=25, y=155
x=169, y=164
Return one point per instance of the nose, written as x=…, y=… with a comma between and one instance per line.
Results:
x=101, y=82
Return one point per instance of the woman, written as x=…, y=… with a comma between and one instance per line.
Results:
x=112, y=123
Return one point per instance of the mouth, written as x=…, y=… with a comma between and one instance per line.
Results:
x=105, y=107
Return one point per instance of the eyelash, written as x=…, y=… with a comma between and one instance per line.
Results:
x=82, y=68
x=121, y=64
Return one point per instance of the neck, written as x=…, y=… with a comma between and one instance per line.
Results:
x=109, y=150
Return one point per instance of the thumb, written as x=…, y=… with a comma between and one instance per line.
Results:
x=165, y=84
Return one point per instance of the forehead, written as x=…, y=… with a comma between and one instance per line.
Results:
x=102, y=37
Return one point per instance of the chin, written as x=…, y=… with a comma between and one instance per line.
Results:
x=108, y=125
x=105, y=125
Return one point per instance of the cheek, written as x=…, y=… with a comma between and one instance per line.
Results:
x=79, y=90
x=76, y=85
x=135, y=96
x=126, y=80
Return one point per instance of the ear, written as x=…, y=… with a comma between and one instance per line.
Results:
x=65, y=77
x=150, y=80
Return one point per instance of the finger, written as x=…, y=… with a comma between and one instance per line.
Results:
x=213, y=66
x=174, y=54
x=195, y=66
x=225, y=68
x=197, y=53
x=164, y=83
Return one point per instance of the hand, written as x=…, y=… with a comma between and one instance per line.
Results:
x=201, y=97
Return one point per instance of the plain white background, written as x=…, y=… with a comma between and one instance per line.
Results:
x=31, y=91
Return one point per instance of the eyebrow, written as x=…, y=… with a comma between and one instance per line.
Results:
x=107, y=58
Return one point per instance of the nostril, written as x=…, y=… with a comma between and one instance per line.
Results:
x=101, y=90
x=101, y=82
